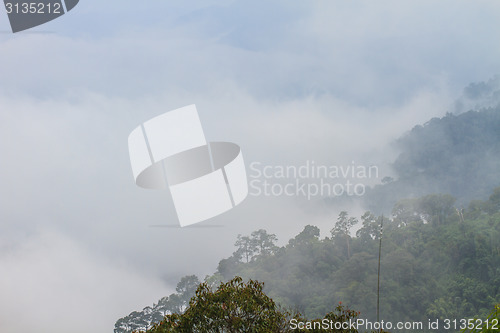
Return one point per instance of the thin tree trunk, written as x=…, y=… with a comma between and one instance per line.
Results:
x=378, y=275
x=348, y=248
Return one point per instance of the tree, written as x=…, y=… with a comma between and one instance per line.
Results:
x=490, y=325
x=343, y=227
x=187, y=287
x=263, y=243
x=228, y=267
x=235, y=306
x=493, y=205
x=246, y=248
x=371, y=227
x=309, y=235
x=435, y=208
x=428, y=271
x=175, y=303
x=406, y=212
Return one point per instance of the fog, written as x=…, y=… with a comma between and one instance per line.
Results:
x=330, y=82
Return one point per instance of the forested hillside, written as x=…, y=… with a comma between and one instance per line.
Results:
x=440, y=241
x=456, y=154
x=437, y=261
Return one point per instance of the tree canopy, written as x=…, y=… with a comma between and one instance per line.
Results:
x=239, y=307
x=438, y=261
x=454, y=154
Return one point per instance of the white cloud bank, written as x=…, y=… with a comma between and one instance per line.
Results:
x=51, y=283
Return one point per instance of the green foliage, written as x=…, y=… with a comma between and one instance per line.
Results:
x=433, y=208
x=175, y=303
x=370, y=227
x=234, y=307
x=237, y=306
x=309, y=235
x=438, y=262
x=490, y=324
x=259, y=243
x=341, y=314
x=342, y=229
x=455, y=154
x=343, y=225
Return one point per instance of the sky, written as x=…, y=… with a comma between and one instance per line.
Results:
x=289, y=81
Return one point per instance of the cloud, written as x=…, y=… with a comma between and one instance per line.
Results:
x=362, y=53
x=50, y=283
x=325, y=81
x=68, y=167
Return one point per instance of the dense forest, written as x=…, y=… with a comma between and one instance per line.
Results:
x=437, y=262
x=458, y=154
x=238, y=306
x=439, y=247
